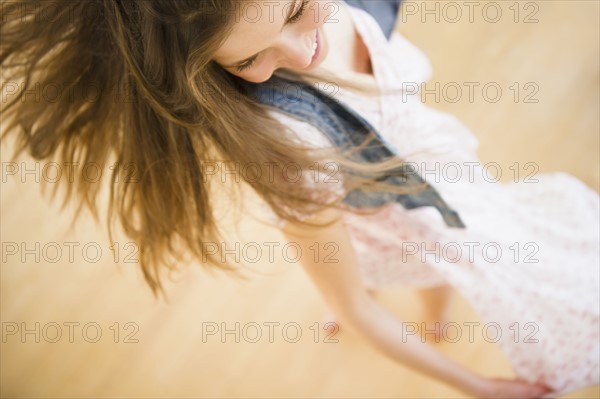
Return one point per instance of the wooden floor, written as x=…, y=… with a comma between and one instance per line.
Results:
x=157, y=349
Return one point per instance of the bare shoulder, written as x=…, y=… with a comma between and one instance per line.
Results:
x=301, y=130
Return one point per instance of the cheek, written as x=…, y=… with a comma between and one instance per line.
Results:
x=324, y=11
x=316, y=14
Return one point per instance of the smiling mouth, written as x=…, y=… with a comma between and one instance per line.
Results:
x=316, y=48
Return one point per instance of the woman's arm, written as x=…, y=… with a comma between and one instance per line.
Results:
x=341, y=286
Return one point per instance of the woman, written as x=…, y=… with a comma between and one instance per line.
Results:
x=170, y=93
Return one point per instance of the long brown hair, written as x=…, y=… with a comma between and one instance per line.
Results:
x=139, y=87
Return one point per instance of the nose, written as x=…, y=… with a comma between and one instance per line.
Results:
x=297, y=51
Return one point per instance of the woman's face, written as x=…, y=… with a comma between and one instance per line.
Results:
x=274, y=34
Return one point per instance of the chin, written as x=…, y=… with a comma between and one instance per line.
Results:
x=317, y=63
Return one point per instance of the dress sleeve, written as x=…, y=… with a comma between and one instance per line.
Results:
x=410, y=62
x=326, y=173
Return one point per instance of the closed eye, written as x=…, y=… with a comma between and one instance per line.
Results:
x=296, y=17
x=247, y=64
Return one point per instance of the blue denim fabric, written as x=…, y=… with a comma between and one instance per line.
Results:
x=384, y=11
x=346, y=129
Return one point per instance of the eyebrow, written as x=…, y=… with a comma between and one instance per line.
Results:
x=290, y=13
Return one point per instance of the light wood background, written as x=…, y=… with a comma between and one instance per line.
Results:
x=172, y=358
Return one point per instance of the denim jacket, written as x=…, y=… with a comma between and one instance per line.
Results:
x=345, y=128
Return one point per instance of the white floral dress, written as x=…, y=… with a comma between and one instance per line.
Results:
x=530, y=253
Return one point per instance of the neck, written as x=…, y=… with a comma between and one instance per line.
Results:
x=348, y=54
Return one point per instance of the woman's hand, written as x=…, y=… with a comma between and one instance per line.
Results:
x=494, y=388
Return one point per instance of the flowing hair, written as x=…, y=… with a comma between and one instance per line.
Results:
x=139, y=88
